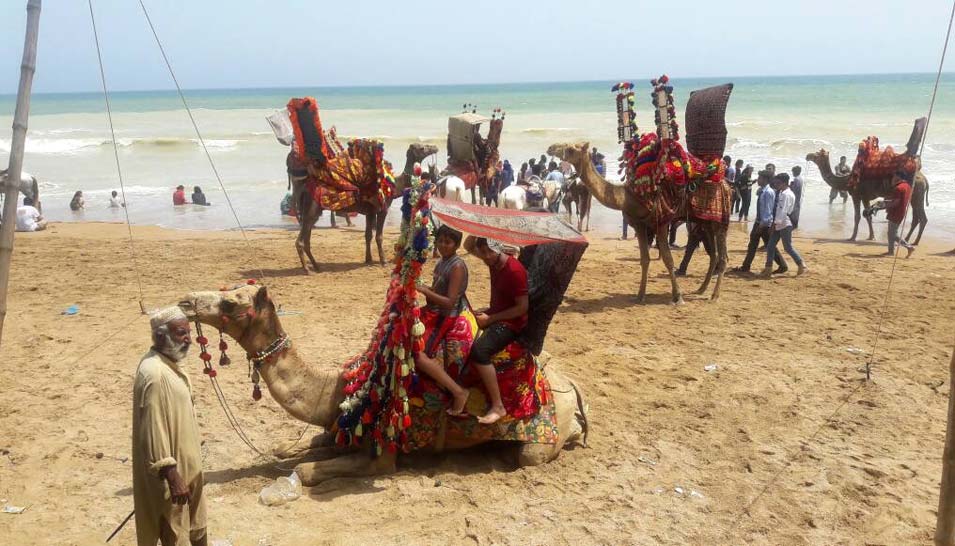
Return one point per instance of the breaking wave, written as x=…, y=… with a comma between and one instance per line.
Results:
x=69, y=146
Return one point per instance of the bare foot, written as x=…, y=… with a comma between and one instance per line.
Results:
x=493, y=415
x=460, y=400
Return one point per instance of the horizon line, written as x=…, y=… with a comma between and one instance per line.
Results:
x=527, y=82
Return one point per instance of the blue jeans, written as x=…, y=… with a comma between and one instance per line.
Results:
x=786, y=235
x=625, y=227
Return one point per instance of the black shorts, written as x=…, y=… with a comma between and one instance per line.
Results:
x=492, y=341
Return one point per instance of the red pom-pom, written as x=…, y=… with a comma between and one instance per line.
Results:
x=256, y=393
x=223, y=345
x=366, y=417
x=417, y=169
x=202, y=340
x=205, y=357
x=212, y=372
x=206, y=371
x=250, y=281
x=406, y=421
x=392, y=447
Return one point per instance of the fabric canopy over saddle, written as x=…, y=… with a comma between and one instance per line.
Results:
x=874, y=164
x=552, y=250
x=338, y=179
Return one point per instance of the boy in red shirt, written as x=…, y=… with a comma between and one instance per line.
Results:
x=895, y=209
x=503, y=321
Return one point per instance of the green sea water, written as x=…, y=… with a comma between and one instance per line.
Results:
x=777, y=119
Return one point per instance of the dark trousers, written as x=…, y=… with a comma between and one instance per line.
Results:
x=694, y=238
x=756, y=235
x=492, y=341
x=747, y=197
x=736, y=201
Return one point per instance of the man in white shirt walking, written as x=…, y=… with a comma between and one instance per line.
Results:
x=28, y=218
x=782, y=226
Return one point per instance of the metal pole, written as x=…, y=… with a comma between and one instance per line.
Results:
x=27, y=68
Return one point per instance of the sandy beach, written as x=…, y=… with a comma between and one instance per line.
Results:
x=783, y=443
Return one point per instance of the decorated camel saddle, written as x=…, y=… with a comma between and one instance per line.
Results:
x=472, y=157
x=339, y=177
x=873, y=163
x=659, y=171
x=397, y=409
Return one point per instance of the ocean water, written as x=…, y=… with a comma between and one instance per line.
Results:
x=777, y=120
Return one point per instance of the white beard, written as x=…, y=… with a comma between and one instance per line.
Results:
x=176, y=352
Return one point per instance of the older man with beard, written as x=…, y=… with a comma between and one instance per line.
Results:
x=167, y=466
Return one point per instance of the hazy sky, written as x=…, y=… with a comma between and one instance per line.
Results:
x=277, y=43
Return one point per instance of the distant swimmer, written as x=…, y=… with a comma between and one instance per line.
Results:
x=77, y=203
x=179, y=196
x=115, y=202
x=199, y=198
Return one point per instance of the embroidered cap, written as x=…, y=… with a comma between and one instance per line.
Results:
x=165, y=316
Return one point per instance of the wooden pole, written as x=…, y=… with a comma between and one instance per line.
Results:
x=945, y=525
x=12, y=187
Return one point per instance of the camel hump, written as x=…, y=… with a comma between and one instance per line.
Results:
x=705, y=121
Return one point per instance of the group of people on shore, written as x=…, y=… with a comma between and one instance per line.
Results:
x=29, y=217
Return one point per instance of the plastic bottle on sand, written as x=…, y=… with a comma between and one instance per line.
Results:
x=283, y=490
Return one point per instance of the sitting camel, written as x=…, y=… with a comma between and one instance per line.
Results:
x=309, y=211
x=313, y=393
x=868, y=189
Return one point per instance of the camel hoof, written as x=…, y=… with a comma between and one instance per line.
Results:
x=678, y=301
x=641, y=299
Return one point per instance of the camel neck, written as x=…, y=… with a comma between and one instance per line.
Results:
x=302, y=389
x=610, y=195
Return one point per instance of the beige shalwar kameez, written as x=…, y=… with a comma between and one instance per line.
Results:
x=165, y=433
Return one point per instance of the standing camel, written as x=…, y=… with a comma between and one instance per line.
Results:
x=646, y=222
x=309, y=211
x=868, y=189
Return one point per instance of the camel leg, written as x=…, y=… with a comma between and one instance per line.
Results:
x=644, y=261
x=353, y=465
x=300, y=247
x=722, y=259
x=869, y=220
x=379, y=227
x=667, y=256
x=711, y=251
x=294, y=448
x=369, y=227
x=571, y=413
x=856, y=204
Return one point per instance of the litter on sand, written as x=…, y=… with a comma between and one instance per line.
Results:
x=7, y=509
x=854, y=350
x=71, y=310
x=710, y=368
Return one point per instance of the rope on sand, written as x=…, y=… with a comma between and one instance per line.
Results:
x=202, y=141
x=895, y=258
x=119, y=170
x=734, y=527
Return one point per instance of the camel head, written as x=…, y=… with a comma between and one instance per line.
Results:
x=576, y=154
x=246, y=313
x=418, y=151
x=822, y=156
